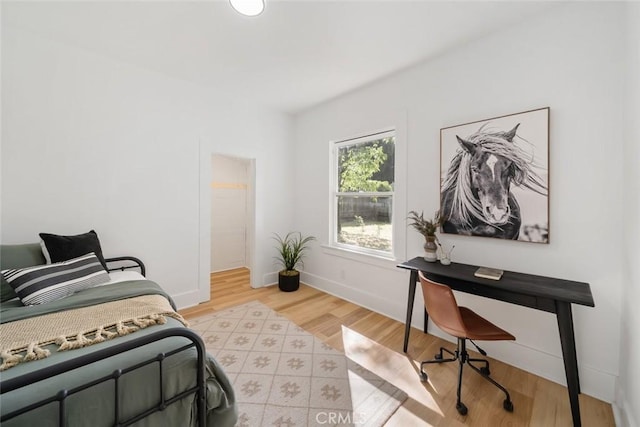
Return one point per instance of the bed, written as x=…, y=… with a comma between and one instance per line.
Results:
x=155, y=373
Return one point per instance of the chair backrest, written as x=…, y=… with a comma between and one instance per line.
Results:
x=442, y=307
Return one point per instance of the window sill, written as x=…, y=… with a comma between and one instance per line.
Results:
x=371, y=259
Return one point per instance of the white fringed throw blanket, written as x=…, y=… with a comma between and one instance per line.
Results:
x=23, y=340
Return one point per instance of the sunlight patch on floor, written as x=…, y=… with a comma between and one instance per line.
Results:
x=396, y=368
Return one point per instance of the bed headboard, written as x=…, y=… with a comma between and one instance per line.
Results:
x=17, y=256
x=30, y=254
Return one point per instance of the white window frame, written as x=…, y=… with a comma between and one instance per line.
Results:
x=334, y=193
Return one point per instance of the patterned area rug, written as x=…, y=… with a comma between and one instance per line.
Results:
x=285, y=377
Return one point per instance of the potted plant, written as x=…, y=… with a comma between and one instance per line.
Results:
x=428, y=228
x=291, y=250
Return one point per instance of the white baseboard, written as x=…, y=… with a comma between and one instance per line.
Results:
x=622, y=411
x=392, y=309
x=270, y=279
x=593, y=382
x=187, y=299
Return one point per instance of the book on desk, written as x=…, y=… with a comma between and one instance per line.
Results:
x=489, y=273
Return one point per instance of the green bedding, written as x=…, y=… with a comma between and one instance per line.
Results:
x=139, y=389
x=11, y=311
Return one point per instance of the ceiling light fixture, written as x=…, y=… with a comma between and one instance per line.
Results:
x=248, y=7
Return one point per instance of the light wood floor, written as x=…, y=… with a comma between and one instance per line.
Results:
x=375, y=342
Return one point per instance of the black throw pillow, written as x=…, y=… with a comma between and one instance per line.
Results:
x=58, y=248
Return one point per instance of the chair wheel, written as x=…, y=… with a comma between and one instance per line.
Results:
x=507, y=405
x=485, y=371
x=462, y=410
x=424, y=377
x=438, y=356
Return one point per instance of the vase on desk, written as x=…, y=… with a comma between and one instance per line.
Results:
x=430, y=249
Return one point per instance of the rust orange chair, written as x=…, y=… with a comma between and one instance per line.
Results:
x=463, y=324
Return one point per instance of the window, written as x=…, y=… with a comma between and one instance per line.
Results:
x=363, y=190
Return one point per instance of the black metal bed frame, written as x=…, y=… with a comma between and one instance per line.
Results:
x=78, y=362
x=138, y=264
x=199, y=389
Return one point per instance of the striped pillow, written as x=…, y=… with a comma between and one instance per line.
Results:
x=45, y=283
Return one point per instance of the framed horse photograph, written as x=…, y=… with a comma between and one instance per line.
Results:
x=494, y=177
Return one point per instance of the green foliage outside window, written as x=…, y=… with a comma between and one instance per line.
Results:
x=365, y=220
x=361, y=164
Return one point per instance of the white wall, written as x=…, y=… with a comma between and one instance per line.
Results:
x=571, y=61
x=628, y=396
x=89, y=142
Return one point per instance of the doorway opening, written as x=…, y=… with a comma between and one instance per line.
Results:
x=231, y=219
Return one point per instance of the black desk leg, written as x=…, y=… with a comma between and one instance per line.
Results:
x=412, y=296
x=426, y=319
x=568, y=343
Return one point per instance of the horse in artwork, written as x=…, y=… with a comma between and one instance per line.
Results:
x=476, y=197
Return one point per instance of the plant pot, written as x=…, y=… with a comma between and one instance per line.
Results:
x=430, y=249
x=289, y=280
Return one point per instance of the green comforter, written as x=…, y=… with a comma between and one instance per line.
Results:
x=139, y=389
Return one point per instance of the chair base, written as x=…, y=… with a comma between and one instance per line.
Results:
x=462, y=357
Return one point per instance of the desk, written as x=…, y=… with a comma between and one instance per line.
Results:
x=542, y=293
